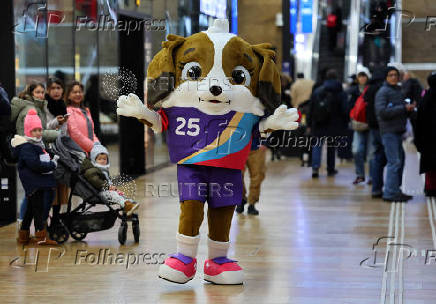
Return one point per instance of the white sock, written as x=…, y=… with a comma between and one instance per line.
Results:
x=187, y=245
x=217, y=249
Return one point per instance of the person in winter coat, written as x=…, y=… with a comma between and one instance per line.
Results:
x=5, y=121
x=57, y=119
x=392, y=111
x=425, y=135
x=96, y=172
x=411, y=87
x=360, y=138
x=328, y=121
x=80, y=124
x=57, y=110
x=378, y=160
x=31, y=98
x=301, y=90
x=35, y=169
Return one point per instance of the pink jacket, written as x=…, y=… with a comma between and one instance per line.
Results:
x=78, y=129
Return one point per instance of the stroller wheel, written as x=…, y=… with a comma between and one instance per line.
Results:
x=58, y=232
x=78, y=236
x=122, y=232
x=135, y=229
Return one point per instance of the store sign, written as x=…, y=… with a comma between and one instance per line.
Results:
x=306, y=12
x=214, y=8
x=293, y=15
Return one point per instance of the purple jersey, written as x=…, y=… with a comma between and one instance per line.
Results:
x=194, y=137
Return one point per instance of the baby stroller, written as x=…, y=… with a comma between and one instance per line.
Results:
x=82, y=220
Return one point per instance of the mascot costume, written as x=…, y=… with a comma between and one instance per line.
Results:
x=216, y=94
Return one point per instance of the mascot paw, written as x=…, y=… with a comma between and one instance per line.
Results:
x=283, y=119
x=223, y=271
x=130, y=106
x=178, y=268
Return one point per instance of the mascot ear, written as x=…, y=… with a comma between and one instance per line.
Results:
x=161, y=71
x=269, y=85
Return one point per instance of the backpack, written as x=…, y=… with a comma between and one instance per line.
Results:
x=358, y=113
x=332, y=20
x=322, y=107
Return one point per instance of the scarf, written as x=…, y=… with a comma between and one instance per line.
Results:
x=35, y=141
x=56, y=107
x=88, y=124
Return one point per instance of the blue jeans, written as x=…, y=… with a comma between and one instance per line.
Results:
x=377, y=161
x=316, y=156
x=360, y=150
x=393, y=147
x=48, y=200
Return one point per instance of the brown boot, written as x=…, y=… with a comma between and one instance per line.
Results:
x=129, y=207
x=42, y=238
x=23, y=237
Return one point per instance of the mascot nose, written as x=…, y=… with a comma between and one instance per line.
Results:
x=215, y=90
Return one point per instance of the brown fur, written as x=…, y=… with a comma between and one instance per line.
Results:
x=219, y=220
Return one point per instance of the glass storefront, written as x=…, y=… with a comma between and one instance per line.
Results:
x=78, y=40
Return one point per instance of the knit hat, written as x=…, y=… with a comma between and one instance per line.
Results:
x=31, y=122
x=96, y=150
x=389, y=69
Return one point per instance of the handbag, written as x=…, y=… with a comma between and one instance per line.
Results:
x=358, y=113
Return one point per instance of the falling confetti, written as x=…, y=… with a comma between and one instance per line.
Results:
x=125, y=184
x=117, y=84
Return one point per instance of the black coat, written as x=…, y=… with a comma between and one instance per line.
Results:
x=337, y=123
x=374, y=85
x=34, y=173
x=425, y=131
x=412, y=89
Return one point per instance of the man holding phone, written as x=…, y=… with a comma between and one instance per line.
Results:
x=392, y=110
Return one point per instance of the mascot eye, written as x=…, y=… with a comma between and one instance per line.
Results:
x=240, y=75
x=191, y=71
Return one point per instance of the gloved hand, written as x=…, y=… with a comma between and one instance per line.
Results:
x=282, y=119
x=132, y=106
x=55, y=160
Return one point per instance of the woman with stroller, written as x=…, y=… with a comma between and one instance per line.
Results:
x=80, y=124
x=35, y=169
x=96, y=172
x=56, y=119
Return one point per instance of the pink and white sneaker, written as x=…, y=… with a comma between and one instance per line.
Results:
x=178, y=268
x=223, y=271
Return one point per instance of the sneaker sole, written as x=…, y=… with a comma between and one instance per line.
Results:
x=169, y=274
x=226, y=278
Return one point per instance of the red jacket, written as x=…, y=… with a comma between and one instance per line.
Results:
x=78, y=128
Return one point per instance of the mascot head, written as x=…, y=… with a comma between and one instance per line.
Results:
x=216, y=72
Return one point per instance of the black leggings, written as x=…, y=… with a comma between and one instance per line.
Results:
x=35, y=211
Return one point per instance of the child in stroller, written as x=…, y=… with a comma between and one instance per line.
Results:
x=76, y=171
x=96, y=172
